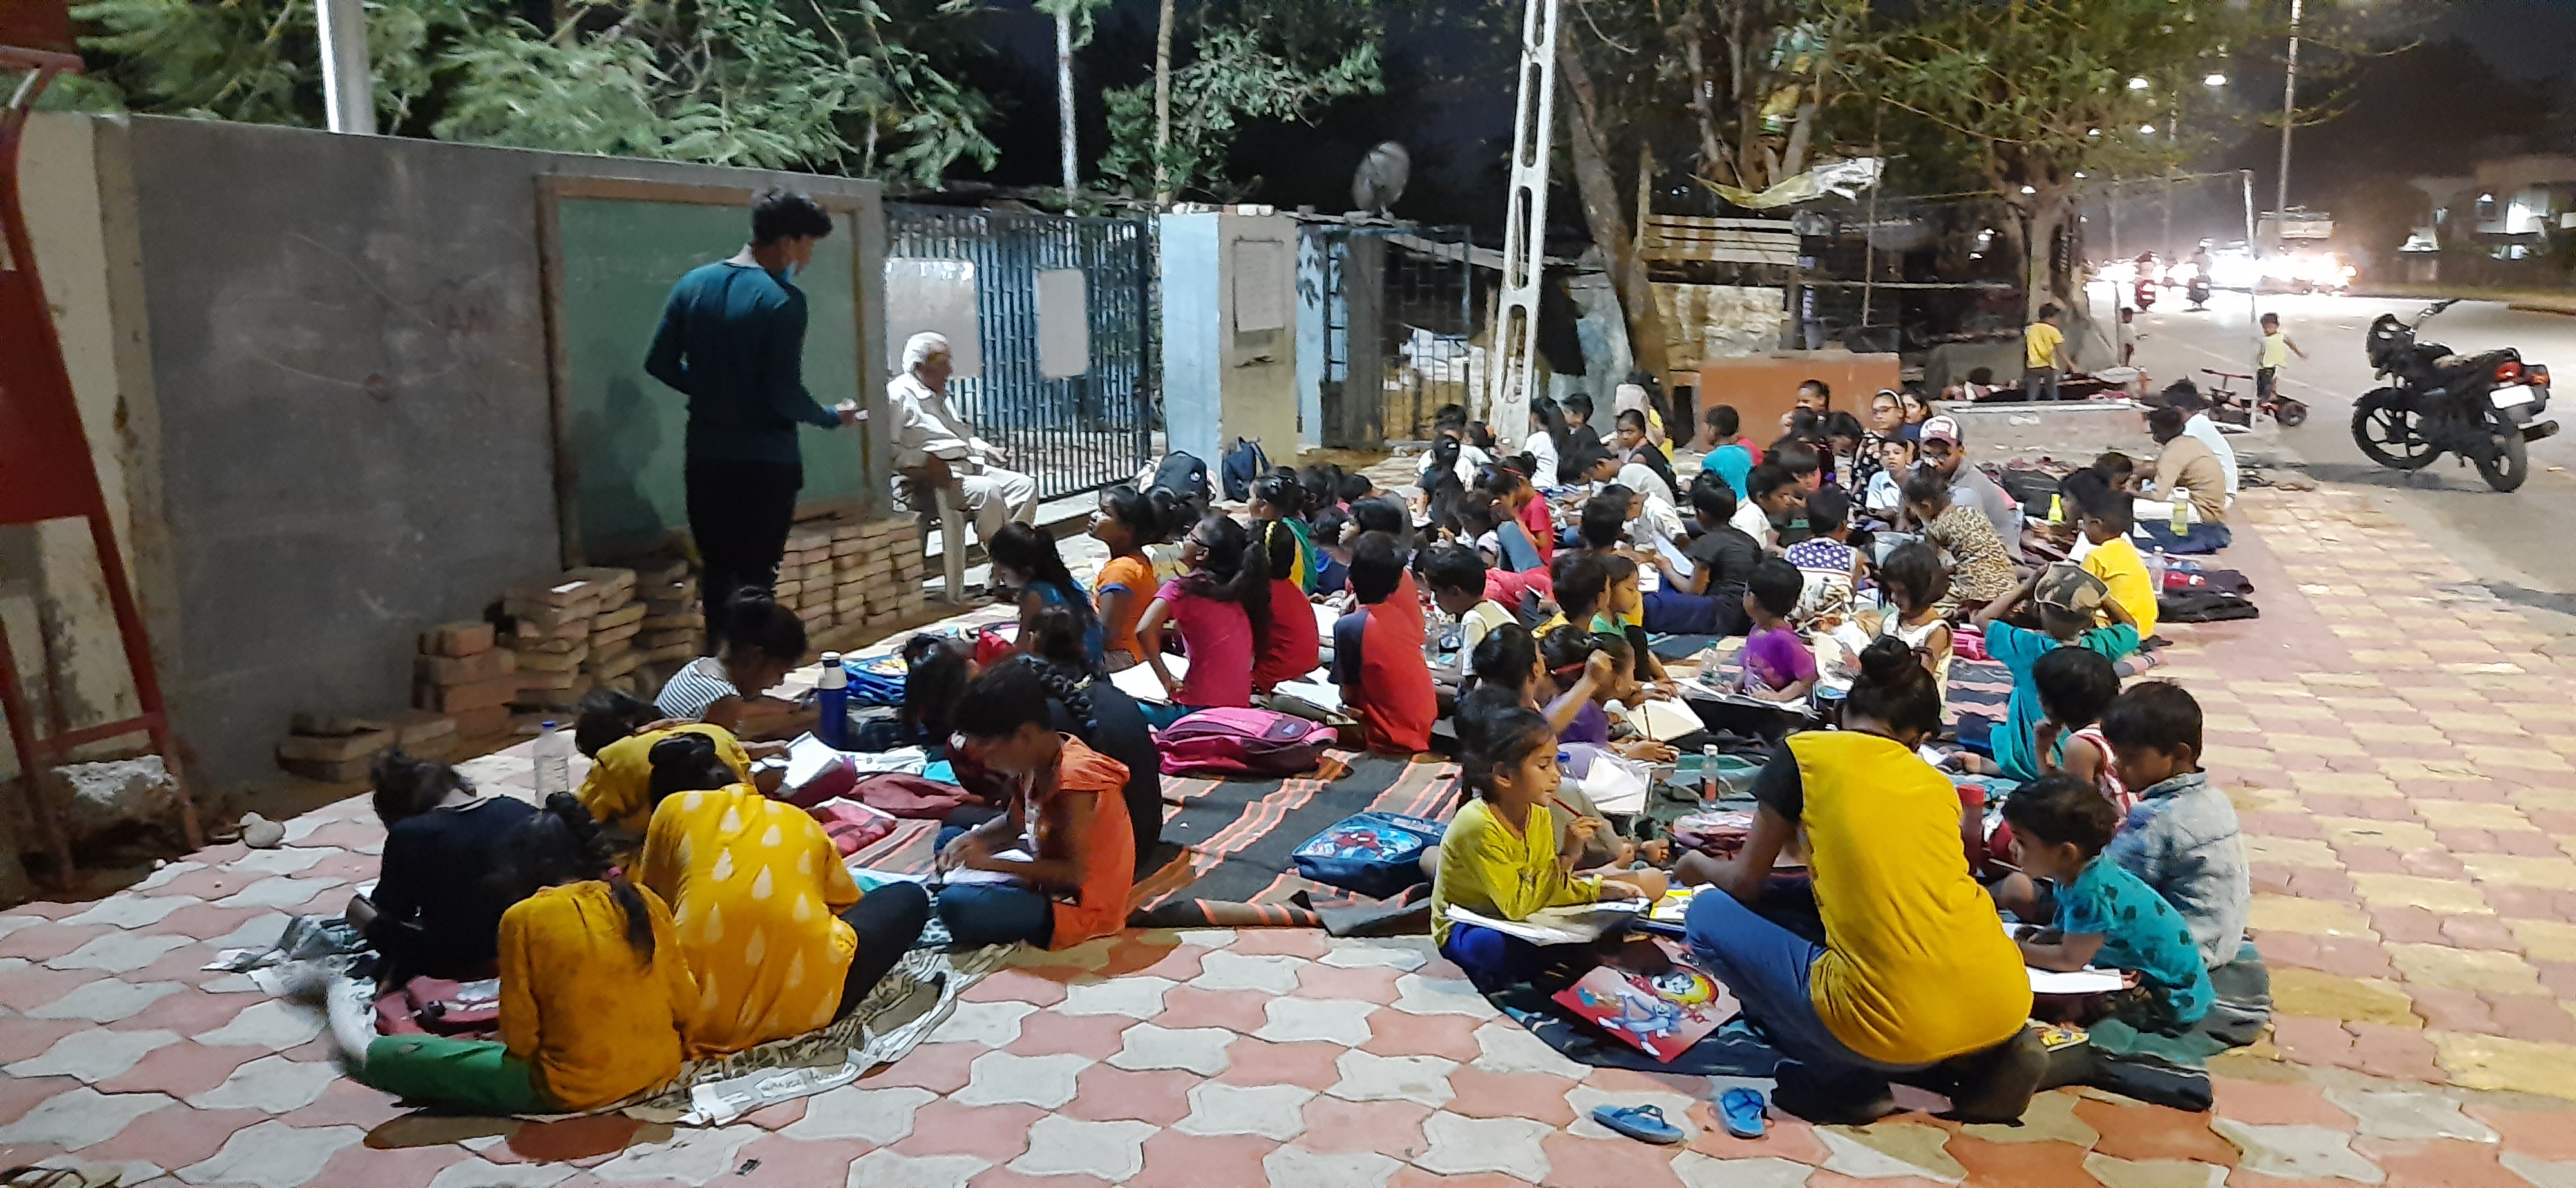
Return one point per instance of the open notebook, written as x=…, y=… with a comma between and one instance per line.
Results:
x=1138, y=681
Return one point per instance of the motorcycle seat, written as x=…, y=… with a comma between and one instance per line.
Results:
x=2455, y=366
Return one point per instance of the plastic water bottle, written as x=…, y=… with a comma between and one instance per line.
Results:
x=1708, y=775
x=2181, y=511
x=832, y=697
x=554, y=761
x=2157, y=568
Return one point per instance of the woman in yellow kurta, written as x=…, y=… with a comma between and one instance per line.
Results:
x=1915, y=970
x=592, y=989
x=777, y=936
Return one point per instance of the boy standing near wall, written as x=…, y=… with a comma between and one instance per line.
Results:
x=732, y=340
x=2043, y=355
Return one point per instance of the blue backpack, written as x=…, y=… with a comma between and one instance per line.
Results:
x=1242, y=465
x=1374, y=854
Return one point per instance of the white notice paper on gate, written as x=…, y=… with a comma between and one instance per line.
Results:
x=1064, y=323
x=937, y=296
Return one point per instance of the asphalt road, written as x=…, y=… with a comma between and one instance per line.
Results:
x=2521, y=545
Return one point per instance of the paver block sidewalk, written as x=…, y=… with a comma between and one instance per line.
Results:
x=2400, y=753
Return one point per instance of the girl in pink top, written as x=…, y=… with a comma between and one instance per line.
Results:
x=1221, y=606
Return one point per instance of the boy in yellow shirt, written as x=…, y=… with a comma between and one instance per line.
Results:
x=2105, y=517
x=2043, y=355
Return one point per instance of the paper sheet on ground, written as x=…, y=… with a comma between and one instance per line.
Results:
x=1572, y=925
x=1138, y=681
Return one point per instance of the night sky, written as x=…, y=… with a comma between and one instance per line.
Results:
x=1450, y=98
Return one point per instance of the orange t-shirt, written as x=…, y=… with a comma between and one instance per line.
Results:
x=1135, y=575
x=1100, y=906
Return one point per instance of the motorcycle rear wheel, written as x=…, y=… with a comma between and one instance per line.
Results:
x=2291, y=413
x=2509, y=463
x=2392, y=436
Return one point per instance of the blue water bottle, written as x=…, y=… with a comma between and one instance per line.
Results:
x=832, y=697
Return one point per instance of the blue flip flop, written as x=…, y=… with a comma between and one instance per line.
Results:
x=1643, y=1123
x=1741, y=1110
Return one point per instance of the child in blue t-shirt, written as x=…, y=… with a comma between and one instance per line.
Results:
x=2106, y=917
x=2068, y=599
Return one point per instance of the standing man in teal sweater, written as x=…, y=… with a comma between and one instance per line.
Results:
x=733, y=341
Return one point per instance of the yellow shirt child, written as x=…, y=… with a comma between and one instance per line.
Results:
x=618, y=790
x=2117, y=563
x=577, y=1007
x=756, y=890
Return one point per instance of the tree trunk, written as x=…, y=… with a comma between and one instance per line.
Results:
x=1714, y=163
x=1801, y=133
x=1602, y=213
x=1162, y=105
x=2039, y=244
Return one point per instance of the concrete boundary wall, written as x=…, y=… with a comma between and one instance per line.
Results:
x=314, y=373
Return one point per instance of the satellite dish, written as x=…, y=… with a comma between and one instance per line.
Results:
x=1380, y=179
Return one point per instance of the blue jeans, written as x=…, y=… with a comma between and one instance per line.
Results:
x=2204, y=537
x=1671, y=612
x=1493, y=960
x=1767, y=966
x=979, y=914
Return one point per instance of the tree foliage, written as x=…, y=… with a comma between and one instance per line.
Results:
x=1249, y=60
x=821, y=85
x=2031, y=97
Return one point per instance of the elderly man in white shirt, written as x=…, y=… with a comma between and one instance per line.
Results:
x=933, y=445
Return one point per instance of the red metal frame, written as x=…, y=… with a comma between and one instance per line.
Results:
x=46, y=474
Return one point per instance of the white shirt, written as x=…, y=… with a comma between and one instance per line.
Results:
x=2206, y=431
x=1470, y=460
x=1542, y=450
x=1752, y=521
x=1659, y=520
x=924, y=424
x=1637, y=476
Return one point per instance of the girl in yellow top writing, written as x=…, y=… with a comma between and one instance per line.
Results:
x=617, y=733
x=592, y=988
x=1500, y=858
x=777, y=936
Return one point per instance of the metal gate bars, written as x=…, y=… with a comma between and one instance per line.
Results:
x=1060, y=311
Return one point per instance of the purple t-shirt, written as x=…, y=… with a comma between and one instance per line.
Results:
x=1218, y=637
x=1590, y=725
x=1776, y=658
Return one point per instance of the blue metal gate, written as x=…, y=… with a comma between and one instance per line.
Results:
x=1076, y=432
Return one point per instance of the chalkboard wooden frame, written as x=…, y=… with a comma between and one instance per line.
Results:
x=552, y=189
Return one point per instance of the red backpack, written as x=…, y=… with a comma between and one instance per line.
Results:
x=1225, y=742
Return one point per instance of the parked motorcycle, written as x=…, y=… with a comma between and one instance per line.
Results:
x=2143, y=294
x=2199, y=291
x=2485, y=408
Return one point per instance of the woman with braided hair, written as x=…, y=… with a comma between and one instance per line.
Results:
x=593, y=988
x=1103, y=717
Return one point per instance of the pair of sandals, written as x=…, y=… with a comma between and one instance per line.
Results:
x=1739, y=1109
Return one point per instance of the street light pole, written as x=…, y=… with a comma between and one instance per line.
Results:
x=2289, y=114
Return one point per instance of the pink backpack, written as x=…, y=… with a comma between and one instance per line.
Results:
x=1225, y=742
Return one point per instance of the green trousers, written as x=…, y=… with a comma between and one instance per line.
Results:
x=476, y=1074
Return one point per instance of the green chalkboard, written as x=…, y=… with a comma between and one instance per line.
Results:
x=624, y=429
